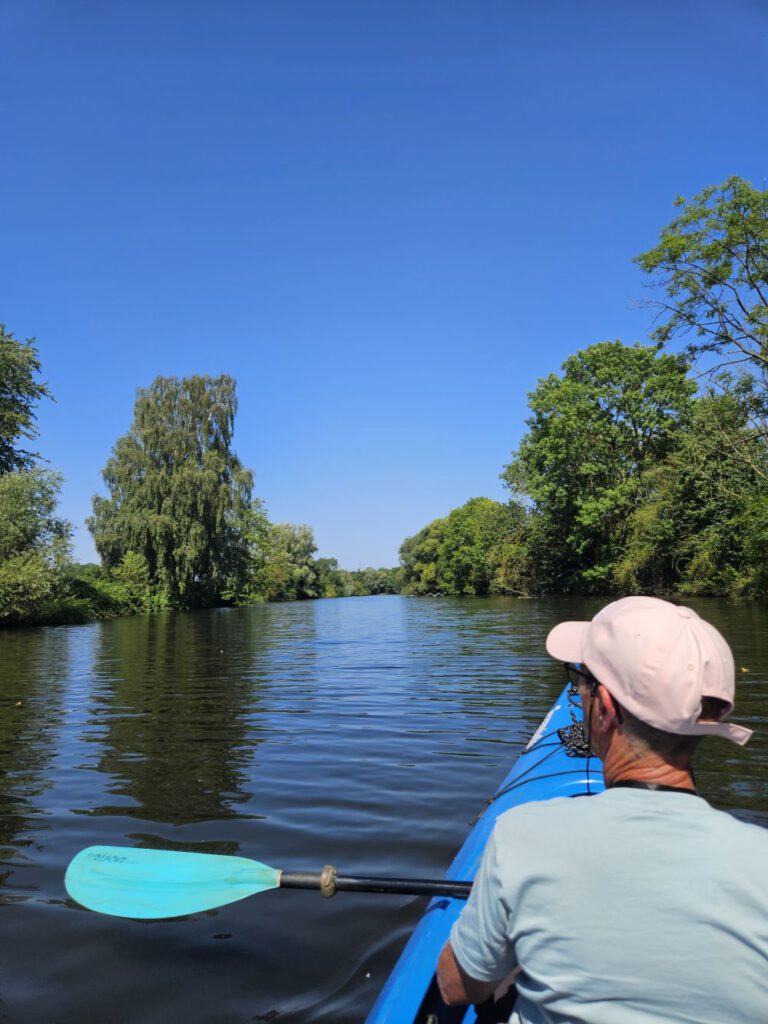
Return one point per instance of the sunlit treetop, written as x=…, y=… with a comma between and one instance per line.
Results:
x=712, y=263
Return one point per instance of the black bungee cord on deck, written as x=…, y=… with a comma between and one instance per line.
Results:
x=572, y=737
x=576, y=738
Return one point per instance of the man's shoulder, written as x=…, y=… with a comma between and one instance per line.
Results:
x=557, y=810
x=566, y=814
x=745, y=832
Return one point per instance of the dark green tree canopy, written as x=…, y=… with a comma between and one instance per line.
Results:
x=178, y=494
x=712, y=262
x=593, y=431
x=292, y=572
x=467, y=552
x=700, y=528
x=19, y=392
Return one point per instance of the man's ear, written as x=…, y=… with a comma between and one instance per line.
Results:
x=606, y=707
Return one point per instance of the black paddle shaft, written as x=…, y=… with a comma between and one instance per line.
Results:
x=328, y=882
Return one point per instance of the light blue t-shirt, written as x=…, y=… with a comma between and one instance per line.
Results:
x=623, y=908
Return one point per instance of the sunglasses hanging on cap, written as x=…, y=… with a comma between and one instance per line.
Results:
x=578, y=677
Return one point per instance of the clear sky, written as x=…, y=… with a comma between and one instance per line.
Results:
x=386, y=220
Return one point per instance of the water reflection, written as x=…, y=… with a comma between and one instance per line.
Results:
x=31, y=713
x=170, y=717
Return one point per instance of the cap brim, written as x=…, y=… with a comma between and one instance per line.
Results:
x=728, y=730
x=565, y=641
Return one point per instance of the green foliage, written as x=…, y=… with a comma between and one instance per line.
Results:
x=632, y=485
x=711, y=490
x=697, y=530
x=474, y=550
x=593, y=435
x=290, y=573
x=648, y=561
x=250, y=577
x=754, y=524
x=19, y=391
x=713, y=262
x=370, y=581
x=179, y=497
x=332, y=581
x=179, y=529
x=26, y=580
x=713, y=266
x=625, y=481
x=133, y=579
x=86, y=593
x=34, y=543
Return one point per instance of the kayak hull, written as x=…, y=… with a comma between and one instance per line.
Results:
x=544, y=770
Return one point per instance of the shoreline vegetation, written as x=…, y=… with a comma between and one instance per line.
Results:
x=641, y=470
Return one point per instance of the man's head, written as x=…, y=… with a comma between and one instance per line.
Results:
x=662, y=663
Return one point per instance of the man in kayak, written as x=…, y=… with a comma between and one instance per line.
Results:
x=642, y=903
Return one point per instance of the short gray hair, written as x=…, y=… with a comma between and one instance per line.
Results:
x=646, y=738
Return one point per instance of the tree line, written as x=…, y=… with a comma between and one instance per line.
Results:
x=641, y=470
x=180, y=527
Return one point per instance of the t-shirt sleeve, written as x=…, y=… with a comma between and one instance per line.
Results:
x=480, y=938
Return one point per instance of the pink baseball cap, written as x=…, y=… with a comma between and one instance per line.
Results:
x=658, y=660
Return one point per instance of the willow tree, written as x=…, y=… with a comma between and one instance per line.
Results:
x=178, y=493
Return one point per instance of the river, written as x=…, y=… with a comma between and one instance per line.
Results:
x=361, y=732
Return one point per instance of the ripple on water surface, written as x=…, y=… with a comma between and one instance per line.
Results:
x=362, y=732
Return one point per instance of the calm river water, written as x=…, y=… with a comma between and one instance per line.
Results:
x=363, y=732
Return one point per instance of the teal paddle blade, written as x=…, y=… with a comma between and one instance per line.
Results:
x=148, y=884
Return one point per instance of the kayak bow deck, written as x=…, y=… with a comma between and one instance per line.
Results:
x=550, y=766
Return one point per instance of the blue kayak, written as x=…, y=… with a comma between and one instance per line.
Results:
x=553, y=764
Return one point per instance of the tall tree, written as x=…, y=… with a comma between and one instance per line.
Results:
x=593, y=432
x=713, y=265
x=19, y=392
x=178, y=493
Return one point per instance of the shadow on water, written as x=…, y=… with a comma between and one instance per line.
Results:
x=366, y=733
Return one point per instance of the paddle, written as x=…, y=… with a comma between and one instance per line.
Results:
x=137, y=883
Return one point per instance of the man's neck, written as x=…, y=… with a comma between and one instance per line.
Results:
x=622, y=764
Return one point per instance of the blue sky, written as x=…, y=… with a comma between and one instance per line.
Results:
x=386, y=220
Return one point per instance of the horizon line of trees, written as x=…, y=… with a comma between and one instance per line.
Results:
x=633, y=475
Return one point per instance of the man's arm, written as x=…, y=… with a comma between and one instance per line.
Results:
x=456, y=986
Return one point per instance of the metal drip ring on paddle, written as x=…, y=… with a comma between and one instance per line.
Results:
x=328, y=881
